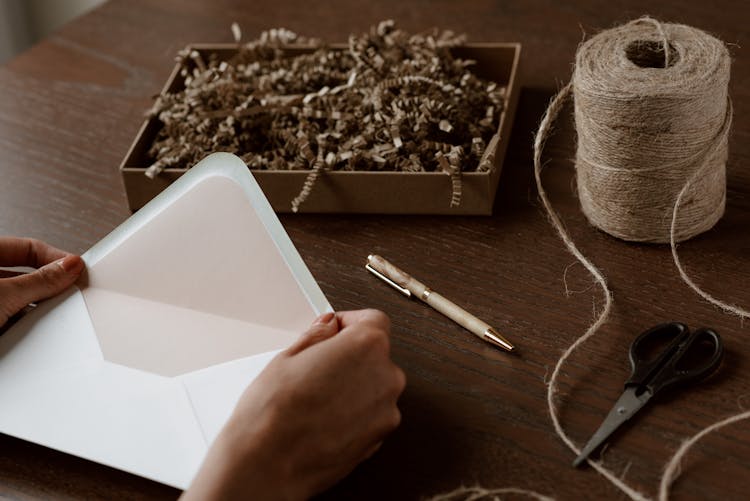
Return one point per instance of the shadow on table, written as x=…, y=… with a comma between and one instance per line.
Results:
x=418, y=458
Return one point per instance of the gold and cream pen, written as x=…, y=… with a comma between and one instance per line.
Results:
x=409, y=286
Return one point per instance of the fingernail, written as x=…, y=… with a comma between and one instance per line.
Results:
x=71, y=264
x=324, y=318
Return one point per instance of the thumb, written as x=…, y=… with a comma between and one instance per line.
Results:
x=324, y=327
x=49, y=280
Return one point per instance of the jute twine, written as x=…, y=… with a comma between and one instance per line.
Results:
x=648, y=119
x=653, y=119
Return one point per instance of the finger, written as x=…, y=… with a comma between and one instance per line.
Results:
x=15, y=251
x=47, y=281
x=324, y=327
x=371, y=316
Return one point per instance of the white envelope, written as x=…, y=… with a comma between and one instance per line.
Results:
x=183, y=305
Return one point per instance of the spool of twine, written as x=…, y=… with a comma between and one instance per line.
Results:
x=652, y=115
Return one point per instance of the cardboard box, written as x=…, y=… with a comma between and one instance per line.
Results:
x=353, y=191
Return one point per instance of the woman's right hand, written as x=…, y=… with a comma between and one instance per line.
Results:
x=318, y=409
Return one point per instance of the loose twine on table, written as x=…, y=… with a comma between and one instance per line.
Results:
x=653, y=118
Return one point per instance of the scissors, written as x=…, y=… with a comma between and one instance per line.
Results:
x=688, y=357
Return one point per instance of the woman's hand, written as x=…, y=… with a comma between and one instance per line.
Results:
x=57, y=270
x=318, y=409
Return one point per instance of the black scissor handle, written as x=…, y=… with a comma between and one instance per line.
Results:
x=687, y=357
x=699, y=357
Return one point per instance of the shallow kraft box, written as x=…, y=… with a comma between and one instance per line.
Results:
x=354, y=191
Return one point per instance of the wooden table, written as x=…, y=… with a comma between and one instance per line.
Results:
x=72, y=104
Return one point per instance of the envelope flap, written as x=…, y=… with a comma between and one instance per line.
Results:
x=168, y=340
x=202, y=275
x=203, y=245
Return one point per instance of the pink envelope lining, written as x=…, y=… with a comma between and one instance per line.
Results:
x=198, y=284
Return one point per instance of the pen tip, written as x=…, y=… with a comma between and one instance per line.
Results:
x=495, y=338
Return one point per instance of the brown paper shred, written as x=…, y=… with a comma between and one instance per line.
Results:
x=445, y=126
x=196, y=57
x=487, y=162
x=313, y=176
x=391, y=101
x=236, y=32
x=450, y=165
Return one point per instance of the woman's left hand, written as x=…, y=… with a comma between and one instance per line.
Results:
x=57, y=270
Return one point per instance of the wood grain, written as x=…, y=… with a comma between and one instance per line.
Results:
x=72, y=104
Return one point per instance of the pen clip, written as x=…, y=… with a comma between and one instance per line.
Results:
x=402, y=290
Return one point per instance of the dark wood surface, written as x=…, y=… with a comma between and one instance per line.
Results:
x=71, y=105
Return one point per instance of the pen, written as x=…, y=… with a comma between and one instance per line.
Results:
x=409, y=286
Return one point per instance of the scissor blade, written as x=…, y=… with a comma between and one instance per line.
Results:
x=627, y=405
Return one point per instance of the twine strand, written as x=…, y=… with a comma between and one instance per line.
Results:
x=662, y=33
x=672, y=470
x=728, y=308
x=476, y=493
x=543, y=133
